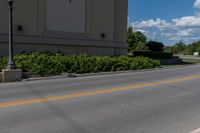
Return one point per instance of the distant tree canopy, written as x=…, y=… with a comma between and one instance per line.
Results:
x=167, y=49
x=136, y=40
x=155, y=46
x=191, y=48
x=178, y=48
x=181, y=48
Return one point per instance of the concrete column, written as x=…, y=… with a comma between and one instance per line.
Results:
x=120, y=23
x=12, y=75
x=120, y=27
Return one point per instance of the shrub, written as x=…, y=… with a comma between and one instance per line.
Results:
x=155, y=46
x=3, y=62
x=155, y=55
x=52, y=64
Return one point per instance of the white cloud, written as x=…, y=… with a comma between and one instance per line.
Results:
x=149, y=35
x=142, y=31
x=193, y=32
x=197, y=4
x=188, y=21
x=158, y=23
x=184, y=28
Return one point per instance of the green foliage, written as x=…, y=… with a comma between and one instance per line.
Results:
x=136, y=40
x=181, y=48
x=52, y=64
x=155, y=55
x=191, y=48
x=178, y=48
x=155, y=46
x=3, y=62
x=167, y=49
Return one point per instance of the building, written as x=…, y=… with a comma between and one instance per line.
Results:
x=95, y=27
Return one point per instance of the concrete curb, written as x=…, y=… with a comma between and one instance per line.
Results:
x=67, y=75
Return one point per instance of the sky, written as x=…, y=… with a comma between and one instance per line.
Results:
x=167, y=21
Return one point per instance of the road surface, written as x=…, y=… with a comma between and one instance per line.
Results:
x=159, y=101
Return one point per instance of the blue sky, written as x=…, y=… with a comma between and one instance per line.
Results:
x=168, y=21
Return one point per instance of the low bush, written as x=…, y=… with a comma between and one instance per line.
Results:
x=155, y=55
x=3, y=62
x=155, y=46
x=52, y=64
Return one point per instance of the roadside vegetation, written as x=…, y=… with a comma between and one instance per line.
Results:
x=138, y=42
x=138, y=46
x=142, y=55
x=181, y=48
x=191, y=61
x=52, y=64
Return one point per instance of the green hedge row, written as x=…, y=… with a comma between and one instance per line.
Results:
x=155, y=55
x=46, y=63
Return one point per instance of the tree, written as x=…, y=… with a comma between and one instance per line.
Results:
x=178, y=48
x=136, y=40
x=155, y=46
x=191, y=48
x=167, y=49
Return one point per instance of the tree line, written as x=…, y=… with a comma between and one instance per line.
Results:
x=181, y=48
x=137, y=41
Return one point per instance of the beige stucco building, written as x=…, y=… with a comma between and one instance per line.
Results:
x=95, y=27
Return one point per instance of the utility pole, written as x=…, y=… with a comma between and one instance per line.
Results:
x=11, y=63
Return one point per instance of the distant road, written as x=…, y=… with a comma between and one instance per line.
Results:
x=190, y=57
x=159, y=101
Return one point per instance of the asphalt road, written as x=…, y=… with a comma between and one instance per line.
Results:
x=190, y=57
x=161, y=101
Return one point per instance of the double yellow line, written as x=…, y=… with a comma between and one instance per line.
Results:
x=96, y=92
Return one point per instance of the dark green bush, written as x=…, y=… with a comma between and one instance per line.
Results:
x=52, y=64
x=3, y=62
x=155, y=55
x=155, y=46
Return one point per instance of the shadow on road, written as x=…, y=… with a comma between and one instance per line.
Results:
x=75, y=126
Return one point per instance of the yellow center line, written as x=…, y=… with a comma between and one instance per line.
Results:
x=96, y=92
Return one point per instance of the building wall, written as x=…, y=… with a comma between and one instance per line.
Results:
x=25, y=14
x=69, y=17
x=96, y=27
x=103, y=19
